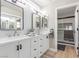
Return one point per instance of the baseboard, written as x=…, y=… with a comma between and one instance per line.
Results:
x=51, y=49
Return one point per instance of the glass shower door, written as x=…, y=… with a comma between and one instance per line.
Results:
x=60, y=30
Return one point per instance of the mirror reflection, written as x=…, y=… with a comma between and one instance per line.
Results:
x=36, y=21
x=11, y=16
x=44, y=22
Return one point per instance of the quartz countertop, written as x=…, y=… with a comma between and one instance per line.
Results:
x=13, y=39
x=19, y=38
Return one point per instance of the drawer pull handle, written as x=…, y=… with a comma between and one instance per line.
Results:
x=20, y=46
x=40, y=39
x=17, y=47
x=35, y=41
x=35, y=49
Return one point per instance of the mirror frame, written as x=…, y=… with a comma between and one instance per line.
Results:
x=43, y=18
x=22, y=21
x=39, y=20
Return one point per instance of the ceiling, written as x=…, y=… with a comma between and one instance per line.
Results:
x=42, y=3
x=45, y=3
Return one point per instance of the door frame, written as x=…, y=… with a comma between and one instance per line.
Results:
x=56, y=25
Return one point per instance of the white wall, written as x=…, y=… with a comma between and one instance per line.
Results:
x=51, y=12
x=27, y=19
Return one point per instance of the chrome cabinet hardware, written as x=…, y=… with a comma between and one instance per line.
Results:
x=35, y=41
x=20, y=46
x=35, y=49
x=17, y=47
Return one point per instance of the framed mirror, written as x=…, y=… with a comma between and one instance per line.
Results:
x=44, y=22
x=11, y=16
x=36, y=22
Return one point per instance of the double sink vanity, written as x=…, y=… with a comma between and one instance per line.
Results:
x=25, y=46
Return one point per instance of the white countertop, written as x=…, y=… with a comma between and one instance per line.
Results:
x=12, y=39
x=18, y=38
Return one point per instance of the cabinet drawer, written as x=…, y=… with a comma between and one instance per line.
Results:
x=35, y=46
x=35, y=56
x=41, y=51
x=34, y=53
x=34, y=41
x=41, y=46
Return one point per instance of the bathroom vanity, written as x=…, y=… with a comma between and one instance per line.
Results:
x=24, y=46
x=15, y=47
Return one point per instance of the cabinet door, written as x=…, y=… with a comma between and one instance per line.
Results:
x=24, y=51
x=47, y=42
x=9, y=50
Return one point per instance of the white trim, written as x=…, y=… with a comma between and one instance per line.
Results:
x=69, y=5
x=56, y=26
x=76, y=32
x=55, y=30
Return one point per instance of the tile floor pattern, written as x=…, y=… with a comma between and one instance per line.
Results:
x=68, y=53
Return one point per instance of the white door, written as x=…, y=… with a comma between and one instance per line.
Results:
x=76, y=28
x=24, y=46
x=47, y=42
x=9, y=50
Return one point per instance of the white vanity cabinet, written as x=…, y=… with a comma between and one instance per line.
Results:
x=39, y=45
x=44, y=44
x=9, y=50
x=35, y=47
x=17, y=49
x=24, y=51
